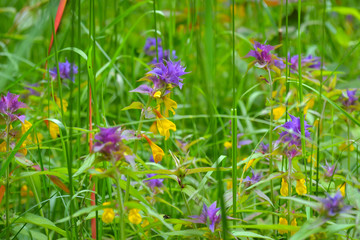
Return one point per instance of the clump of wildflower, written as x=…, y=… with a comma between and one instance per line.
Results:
x=150, y=50
x=292, y=133
x=109, y=143
x=349, y=100
x=67, y=71
x=330, y=170
x=309, y=61
x=255, y=178
x=332, y=206
x=134, y=216
x=9, y=104
x=108, y=214
x=208, y=213
x=263, y=54
x=153, y=183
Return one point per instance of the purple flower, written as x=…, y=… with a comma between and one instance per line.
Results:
x=32, y=90
x=262, y=54
x=169, y=73
x=279, y=63
x=263, y=148
x=349, y=99
x=256, y=177
x=150, y=46
x=9, y=104
x=164, y=55
x=329, y=170
x=292, y=133
x=107, y=140
x=332, y=206
x=242, y=142
x=144, y=89
x=309, y=61
x=292, y=151
x=65, y=70
x=208, y=213
x=152, y=183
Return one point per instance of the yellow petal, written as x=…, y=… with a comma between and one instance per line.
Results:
x=108, y=215
x=342, y=189
x=134, y=216
x=64, y=103
x=170, y=105
x=54, y=130
x=278, y=112
x=164, y=126
x=157, y=152
x=227, y=145
x=293, y=223
x=283, y=221
x=25, y=126
x=157, y=94
x=301, y=187
x=284, y=190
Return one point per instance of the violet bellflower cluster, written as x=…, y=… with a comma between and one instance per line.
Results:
x=291, y=136
x=153, y=183
x=66, y=69
x=208, y=216
x=164, y=76
x=150, y=50
x=9, y=104
x=332, y=206
x=349, y=100
x=263, y=55
x=109, y=142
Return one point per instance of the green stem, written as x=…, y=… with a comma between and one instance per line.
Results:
x=7, y=215
x=234, y=158
x=120, y=209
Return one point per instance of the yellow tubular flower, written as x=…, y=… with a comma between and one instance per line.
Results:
x=301, y=187
x=164, y=126
x=283, y=221
x=3, y=147
x=293, y=223
x=25, y=126
x=284, y=190
x=342, y=189
x=227, y=145
x=170, y=105
x=108, y=214
x=248, y=164
x=157, y=94
x=134, y=216
x=54, y=130
x=278, y=112
x=157, y=152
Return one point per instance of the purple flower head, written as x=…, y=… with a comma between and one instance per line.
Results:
x=169, y=73
x=309, y=61
x=256, y=177
x=144, y=89
x=292, y=152
x=349, y=99
x=150, y=46
x=66, y=69
x=164, y=55
x=263, y=148
x=242, y=142
x=9, y=104
x=32, y=89
x=262, y=54
x=329, y=170
x=152, y=183
x=332, y=206
x=292, y=133
x=208, y=213
x=280, y=63
x=107, y=140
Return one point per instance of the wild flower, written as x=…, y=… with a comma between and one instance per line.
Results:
x=330, y=170
x=263, y=148
x=25, y=191
x=349, y=100
x=157, y=152
x=163, y=125
x=150, y=46
x=243, y=142
x=9, y=104
x=292, y=133
x=284, y=190
x=108, y=214
x=332, y=206
x=309, y=62
x=208, y=215
x=255, y=178
x=134, y=216
x=301, y=187
x=283, y=221
x=67, y=71
x=263, y=54
x=162, y=54
x=153, y=183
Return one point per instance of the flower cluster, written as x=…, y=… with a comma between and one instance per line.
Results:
x=208, y=213
x=9, y=104
x=332, y=206
x=66, y=70
x=108, y=214
x=150, y=50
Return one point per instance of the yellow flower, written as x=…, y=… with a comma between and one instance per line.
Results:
x=248, y=164
x=25, y=126
x=284, y=190
x=153, y=128
x=283, y=221
x=54, y=130
x=108, y=214
x=64, y=103
x=22, y=149
x=345, y=146
x=342, y=189
x=278, y=112
x=309, y=105
x=229, y=185
x=24, y=191
x=170, y=105
x=3, y=147
x=164, y=126
x=301, y=187
x=227, y=145
x=157, y=152
x=293, y=223
x=157, y=94
x=134, y=216
x=145, y=223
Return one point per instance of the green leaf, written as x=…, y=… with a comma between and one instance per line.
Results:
x=89, y=160
x=248, y=234
x=40, y=221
